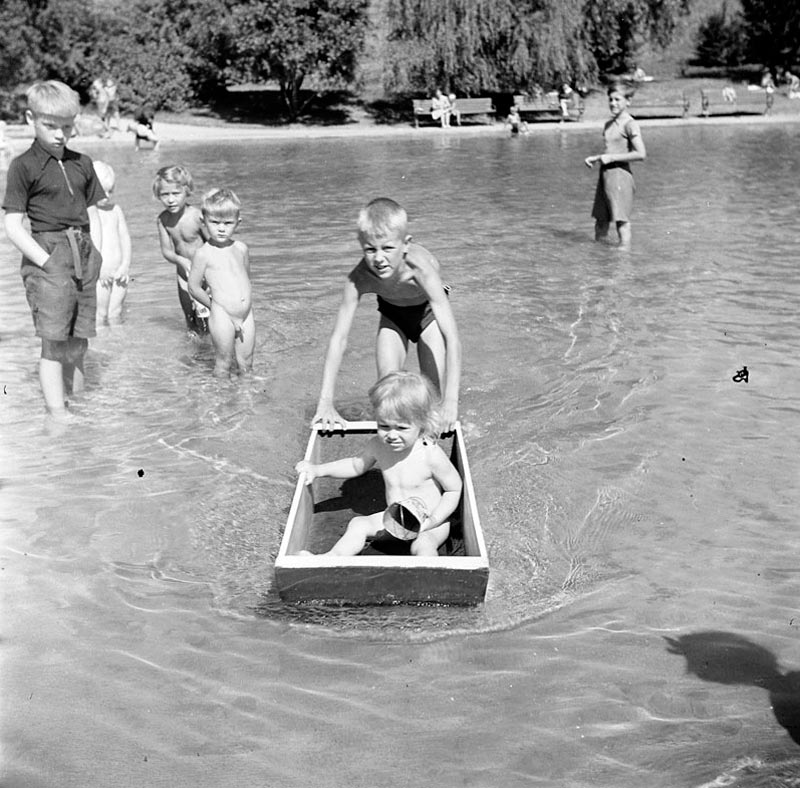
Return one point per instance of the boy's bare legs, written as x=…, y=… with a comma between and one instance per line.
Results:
x=245, y=343
x=391, y=348
x=222, y=333
x=73, y=365
x=115, y=302
x=431, y=350
x=51, y=379
x=103, y=300
x=60, y=370
x=601, y=230
x=624, y=230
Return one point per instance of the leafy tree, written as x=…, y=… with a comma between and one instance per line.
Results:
x=618, y=28
x=292, y=41
x=486, y=45
x=722, y=40
x=773, y=28
x=20, y=43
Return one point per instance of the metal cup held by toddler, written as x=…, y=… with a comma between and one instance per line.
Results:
x=402, y=519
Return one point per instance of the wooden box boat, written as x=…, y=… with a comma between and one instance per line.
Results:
x=384, y=573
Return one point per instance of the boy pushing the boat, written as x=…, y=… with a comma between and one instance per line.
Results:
x=413, y=307
x=58, y=191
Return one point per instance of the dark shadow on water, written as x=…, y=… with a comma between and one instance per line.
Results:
x=727, y=658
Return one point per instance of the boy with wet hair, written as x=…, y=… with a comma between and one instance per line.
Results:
x=613, y=200
x=58, y=191
x=413, y=305
x=181, y=234
x=225, y=265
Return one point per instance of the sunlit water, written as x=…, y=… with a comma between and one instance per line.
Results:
x=641, y=625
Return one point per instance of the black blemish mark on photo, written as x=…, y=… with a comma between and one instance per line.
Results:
x=140, y=473
x=741, y=375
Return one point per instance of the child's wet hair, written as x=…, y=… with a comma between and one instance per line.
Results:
x=175, y=173
x=53, y=98
x=220, y=202
x=382, y=218
x=407, y=397
x=105, y=174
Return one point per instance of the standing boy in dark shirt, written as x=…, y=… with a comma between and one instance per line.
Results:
x=58, y=191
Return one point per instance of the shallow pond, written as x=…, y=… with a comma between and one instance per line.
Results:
x=641, y=625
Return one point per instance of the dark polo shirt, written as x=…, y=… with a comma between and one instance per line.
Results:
x=52, y=197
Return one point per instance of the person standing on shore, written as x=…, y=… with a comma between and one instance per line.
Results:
x=613, y=201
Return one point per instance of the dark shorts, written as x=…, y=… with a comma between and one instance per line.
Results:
x=61, y=306
x=613, y=199
x=411, y=320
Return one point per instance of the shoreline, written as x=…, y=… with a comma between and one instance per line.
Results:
x=171, y=132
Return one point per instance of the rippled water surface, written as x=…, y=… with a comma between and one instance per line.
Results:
x=641, y=626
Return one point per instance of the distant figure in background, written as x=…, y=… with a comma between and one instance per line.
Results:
x=111, y=118
x=515, y=122
x=565, y=96
x=143, y=126
x=112, y=283
x=453, y=109
x=613, y=201
x=97, y=91
x=441, y=108
x=794, y=85
x=729, y=94
x=640, y=76
x=767, y=82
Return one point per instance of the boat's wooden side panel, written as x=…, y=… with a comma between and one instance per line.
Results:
x=370, y=585
x=382, y=579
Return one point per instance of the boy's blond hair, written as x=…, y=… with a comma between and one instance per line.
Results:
x=105, y=174
x=175, y=173
x=381, y=218
x=220, y=202
x=53, y=98
x=407, y=397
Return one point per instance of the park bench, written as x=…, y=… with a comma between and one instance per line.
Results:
x=548, y=108
x=663, y=108
x=741, y=102
x=461, y=107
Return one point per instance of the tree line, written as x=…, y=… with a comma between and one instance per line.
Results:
x=175, y=53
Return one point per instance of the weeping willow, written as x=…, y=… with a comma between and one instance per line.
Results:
x=478, y=46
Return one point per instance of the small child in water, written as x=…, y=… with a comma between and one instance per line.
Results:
x=112, y=284
x=180, y=234
x=225, y=266
x=411, y=463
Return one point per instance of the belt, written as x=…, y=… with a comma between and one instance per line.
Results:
x=73, y=233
